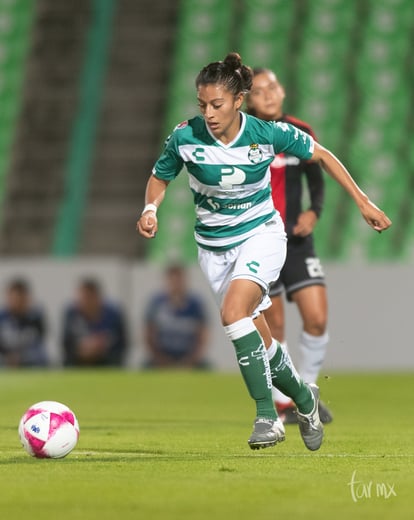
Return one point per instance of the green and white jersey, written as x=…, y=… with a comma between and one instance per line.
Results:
x=230, y=182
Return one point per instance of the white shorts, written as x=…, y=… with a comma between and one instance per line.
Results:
x=260, y=258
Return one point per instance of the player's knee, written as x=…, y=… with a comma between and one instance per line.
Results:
x=276, y=322
x=231, y=314
x=316, y=325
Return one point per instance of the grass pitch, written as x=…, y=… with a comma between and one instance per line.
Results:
x=173, y=446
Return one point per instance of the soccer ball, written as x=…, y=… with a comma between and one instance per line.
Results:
x=49, y=430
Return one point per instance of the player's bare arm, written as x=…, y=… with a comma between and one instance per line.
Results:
x=374, y=216
x=147, y=225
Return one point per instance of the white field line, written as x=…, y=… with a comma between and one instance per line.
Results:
x=202, y=456
x=139, y=454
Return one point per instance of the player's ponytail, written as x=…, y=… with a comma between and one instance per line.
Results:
x=230, y=72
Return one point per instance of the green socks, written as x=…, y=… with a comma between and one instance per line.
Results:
x=287, y=380
x=261, y=370
x=254, y=365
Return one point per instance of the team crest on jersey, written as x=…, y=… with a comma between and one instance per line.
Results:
x=255, y=155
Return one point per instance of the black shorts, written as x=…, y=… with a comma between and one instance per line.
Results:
x=302, y=268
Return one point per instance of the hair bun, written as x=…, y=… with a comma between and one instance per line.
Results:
x=233, y=61
x=236, y=77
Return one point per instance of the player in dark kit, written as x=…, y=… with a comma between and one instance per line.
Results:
x=302, y=275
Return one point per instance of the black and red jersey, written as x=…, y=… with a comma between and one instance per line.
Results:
x=286, y=180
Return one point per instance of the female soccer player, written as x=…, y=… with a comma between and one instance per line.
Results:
x=241, y=237
x=302, y=276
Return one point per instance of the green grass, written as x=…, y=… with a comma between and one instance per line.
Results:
x=173, y=446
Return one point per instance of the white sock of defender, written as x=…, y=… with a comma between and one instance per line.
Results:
x=271, y=351
x=313, y=350
x=277, y=395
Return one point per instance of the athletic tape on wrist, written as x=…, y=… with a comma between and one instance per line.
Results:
x=150, y=207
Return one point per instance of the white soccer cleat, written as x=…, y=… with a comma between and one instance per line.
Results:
x=310, y=425
x=266, y=433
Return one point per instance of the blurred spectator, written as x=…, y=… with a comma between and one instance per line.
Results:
x=176, y=325
x=22, y=328
x=94, y=330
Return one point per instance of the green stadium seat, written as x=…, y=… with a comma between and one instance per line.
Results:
x=265, y=34
x=380, y=138
x=15, y=20
x=322, y=85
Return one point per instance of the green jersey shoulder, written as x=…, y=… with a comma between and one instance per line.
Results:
x=257, y=142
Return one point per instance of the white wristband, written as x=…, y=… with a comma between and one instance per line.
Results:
x=150, y=207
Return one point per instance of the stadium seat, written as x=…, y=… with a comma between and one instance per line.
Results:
x=381, y=139
x=322, y=96
x=379, y=136
x=15, y=21
x=265, y=34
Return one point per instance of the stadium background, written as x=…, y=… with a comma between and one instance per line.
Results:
x=89, y=89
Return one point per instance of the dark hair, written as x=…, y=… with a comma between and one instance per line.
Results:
x=174, y=269
x=91, y=285
x=262, y=70
x=230, y=73
x=20, y=285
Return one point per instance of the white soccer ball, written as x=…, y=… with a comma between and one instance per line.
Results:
x=49, y=430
